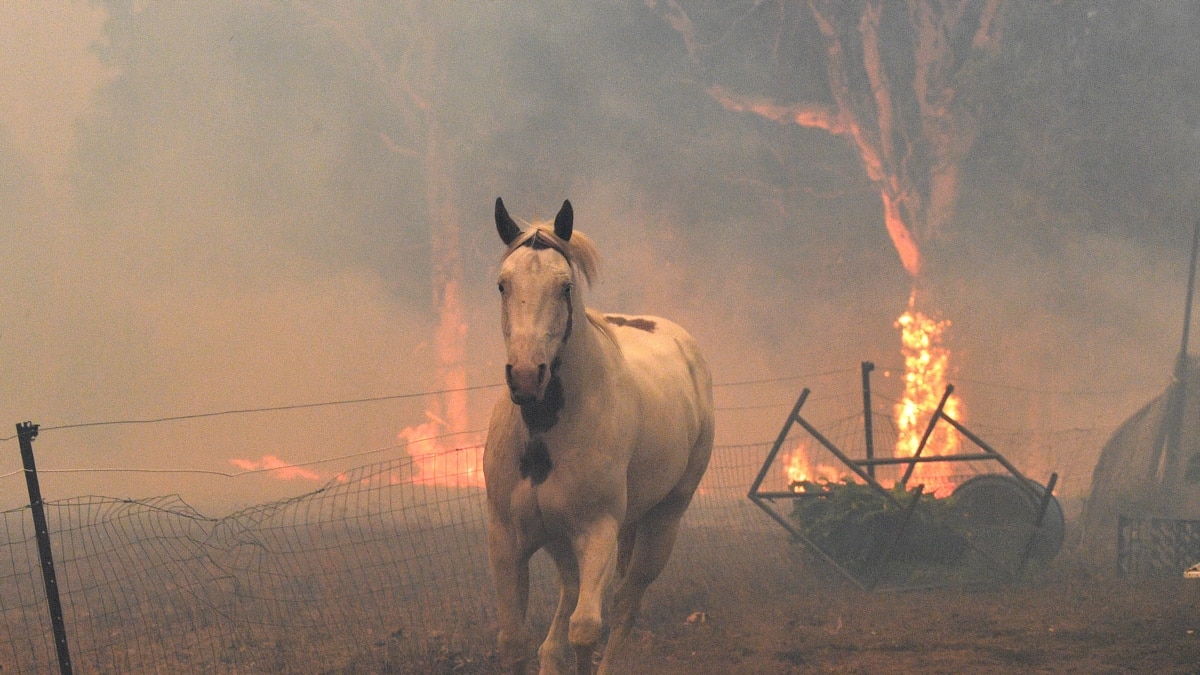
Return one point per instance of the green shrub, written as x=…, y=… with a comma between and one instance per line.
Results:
x=872, y=536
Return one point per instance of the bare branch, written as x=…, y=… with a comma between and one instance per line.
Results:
x=910, y=141
x=877, y=77
x=987, y=36
x=839, y=87
x=679, y=20
x=810, y=115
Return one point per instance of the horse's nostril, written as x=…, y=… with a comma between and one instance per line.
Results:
x=525, y=382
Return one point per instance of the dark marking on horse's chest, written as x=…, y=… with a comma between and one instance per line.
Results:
x=640, y=324
x=541, y=416
x=535, y=461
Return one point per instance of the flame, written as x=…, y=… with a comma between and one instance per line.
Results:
x=438, y=463
x=926, y=363
x=450, y=346
x=798, y=470
x=276, y=467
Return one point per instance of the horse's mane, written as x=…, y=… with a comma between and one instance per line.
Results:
x=580, y=252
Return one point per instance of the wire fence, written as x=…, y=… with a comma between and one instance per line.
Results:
x=379, y=570
x=374, y=571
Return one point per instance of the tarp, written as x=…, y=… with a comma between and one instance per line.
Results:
x=1143, y=473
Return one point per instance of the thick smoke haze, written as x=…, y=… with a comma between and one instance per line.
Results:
x=219, y=206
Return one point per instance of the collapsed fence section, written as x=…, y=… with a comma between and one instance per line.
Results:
x=374, y=571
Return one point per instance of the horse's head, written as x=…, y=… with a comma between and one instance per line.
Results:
x=538, y=298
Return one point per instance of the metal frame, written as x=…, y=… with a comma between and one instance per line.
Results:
x=865, y=470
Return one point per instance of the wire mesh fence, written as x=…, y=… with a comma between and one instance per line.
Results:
x=375, y=571
x=1156, y=547
x=379, y=570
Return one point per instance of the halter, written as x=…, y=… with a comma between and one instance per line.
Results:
x=539, y=241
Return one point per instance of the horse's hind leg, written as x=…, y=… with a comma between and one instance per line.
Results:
x=554, y=652
x=652, y=548
x=510, y=574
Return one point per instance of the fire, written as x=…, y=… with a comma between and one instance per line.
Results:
x=276, y=467
x=926, y=363
x=798, y=470
x=438, y=463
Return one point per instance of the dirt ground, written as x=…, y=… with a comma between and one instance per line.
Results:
x=1068, y=620
x=780, y=611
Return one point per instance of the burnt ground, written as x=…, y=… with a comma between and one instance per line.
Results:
x=794, y=617
x=774, y=609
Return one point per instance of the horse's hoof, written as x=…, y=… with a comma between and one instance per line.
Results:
x=553, y=663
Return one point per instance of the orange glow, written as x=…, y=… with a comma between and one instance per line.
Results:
x=450, y=345
x=436, y=462
x=276, y=467
x=798, y=469
x=811, y=115
x=926, y=363
x=902, y=239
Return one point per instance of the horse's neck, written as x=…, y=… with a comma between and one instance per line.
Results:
x=589, y=356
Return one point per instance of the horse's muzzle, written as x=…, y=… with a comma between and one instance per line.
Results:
x=526, y=384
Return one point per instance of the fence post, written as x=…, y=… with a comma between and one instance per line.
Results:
x=868, y=427
x=26, y=432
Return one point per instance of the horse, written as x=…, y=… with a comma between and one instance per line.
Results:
x=594, y=453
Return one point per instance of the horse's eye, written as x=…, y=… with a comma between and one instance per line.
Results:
x=566, y=290
x=501, y=287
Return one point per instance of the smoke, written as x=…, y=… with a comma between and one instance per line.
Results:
x=51, y=74
x=208, y=206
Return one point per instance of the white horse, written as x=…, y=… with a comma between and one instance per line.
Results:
x=596, y=451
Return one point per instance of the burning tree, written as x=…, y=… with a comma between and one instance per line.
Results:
x=401, y=54
x=896, y=84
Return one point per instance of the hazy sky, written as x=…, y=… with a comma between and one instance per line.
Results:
x=215, y=206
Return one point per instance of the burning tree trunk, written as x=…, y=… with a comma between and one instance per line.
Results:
x=444, y=225
x=413, y=82
x=451, y=333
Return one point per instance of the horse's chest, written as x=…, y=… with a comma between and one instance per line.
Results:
x=535, y=462
x=555, y=439
x=563, y=482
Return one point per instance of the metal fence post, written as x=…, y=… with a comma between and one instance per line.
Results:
x=868, y=426
x=26, y=432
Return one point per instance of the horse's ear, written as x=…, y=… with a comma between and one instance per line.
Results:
x=504, y=224
x=564, y=221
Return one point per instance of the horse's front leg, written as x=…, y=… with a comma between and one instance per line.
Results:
x=510, y=574
x=596, y=553
x=555, y=654
x=652, y=548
